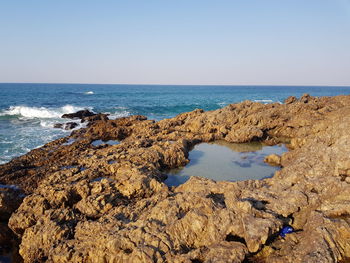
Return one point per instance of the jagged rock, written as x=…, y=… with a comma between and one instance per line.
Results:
x=70, y=125
x=66, y=126
x=79, y=114
x=96, y=117
x=290, y=100
x=58, y=125
x=305, y=98
x=109, y=203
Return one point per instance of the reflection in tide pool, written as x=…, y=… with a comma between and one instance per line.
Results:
x=222, y=161
x=101, y=142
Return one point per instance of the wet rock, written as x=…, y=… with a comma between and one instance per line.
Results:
x=96, y=117
x=70, y=125
x=79, y=114
x=58, y=125
x=66, y=126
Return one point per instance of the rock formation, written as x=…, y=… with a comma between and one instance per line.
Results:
x=108, y=203
x=66, y=126
x=78, y=115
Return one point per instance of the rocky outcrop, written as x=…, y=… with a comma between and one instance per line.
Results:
x=108, y=203
x=96, y=117
x=78, y=115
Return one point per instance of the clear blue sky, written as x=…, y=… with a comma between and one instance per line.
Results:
x=292, y=42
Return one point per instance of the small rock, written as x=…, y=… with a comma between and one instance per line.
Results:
x=273, y=159
x=65, y=126
x=58, y=125
x=305, y=98
x=70, y=125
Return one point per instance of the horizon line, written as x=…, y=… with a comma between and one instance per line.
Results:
x=158, y=84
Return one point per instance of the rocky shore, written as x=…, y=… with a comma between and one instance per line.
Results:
x=77, y=202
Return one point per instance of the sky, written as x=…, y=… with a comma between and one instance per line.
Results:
x=217, y=42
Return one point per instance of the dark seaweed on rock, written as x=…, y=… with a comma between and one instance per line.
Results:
x=117, y=209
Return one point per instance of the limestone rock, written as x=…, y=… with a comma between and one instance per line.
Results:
x=108, y=203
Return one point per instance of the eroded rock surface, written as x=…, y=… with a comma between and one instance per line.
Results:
x=108, y=203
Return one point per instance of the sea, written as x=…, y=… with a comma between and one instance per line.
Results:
x=29, y=111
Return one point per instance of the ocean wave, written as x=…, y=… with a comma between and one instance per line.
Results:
x=39, y=112
x=222, y=104
x=51, y=123
x=88, y=92
x=119, y=114
x=264, y=101
x=120, y=108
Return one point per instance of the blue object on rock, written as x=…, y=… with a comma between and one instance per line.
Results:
x=286, y=230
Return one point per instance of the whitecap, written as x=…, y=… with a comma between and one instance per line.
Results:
x=120, y=108
x=264, y=101
x=47, y=124
x=6, y=142
x=71, y=109
x=39, y=112
x=119, y=114
x=30, y=112
x=222, y=104
x=89, y=93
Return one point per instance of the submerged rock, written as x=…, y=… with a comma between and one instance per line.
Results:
x=118, y=209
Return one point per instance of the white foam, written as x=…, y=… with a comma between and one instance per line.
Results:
x=120, y=108
x=264, y=101
x=119, y=114
x=39, y=112
x=89, y=92
x=47, y=124
x=222, y=104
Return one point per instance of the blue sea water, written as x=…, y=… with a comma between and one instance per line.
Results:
x=28, y=111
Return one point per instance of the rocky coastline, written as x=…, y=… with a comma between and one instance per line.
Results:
x=77, y=202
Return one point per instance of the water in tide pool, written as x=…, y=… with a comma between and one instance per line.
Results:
x=28, y=111
x=223, y=161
